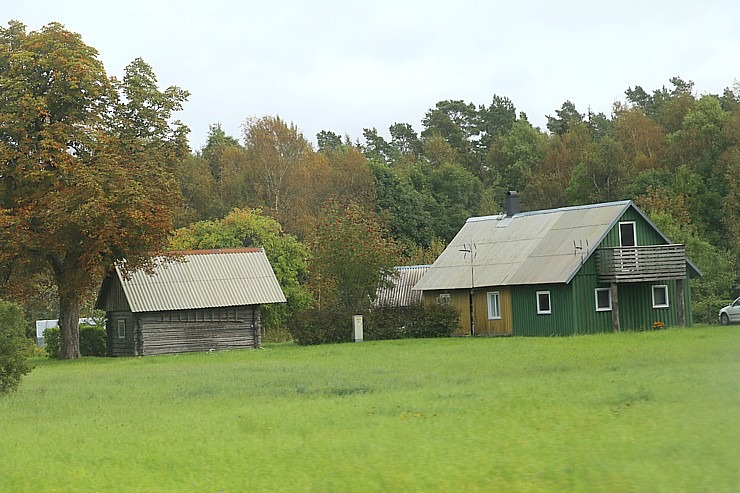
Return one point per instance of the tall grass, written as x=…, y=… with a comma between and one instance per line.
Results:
x=655, y=411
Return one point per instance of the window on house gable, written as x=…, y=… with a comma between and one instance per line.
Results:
x=603, y=299
x=627, y=234
x=494, y=306
x=444, y=299
x=543, y=303
x=660, y=296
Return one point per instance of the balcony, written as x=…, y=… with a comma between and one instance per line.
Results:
x=641, y=264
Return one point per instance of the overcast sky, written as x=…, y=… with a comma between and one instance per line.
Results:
x=348, y=65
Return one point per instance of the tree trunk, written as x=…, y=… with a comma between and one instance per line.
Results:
x=69, y=327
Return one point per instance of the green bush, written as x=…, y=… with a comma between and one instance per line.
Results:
x=381, y=323
x=52, y=342
x=706, y=311
x=415, y=321
x=92, y=341
x=30, y=348
x=275, y=334
x=321, y=327
x=13, y=362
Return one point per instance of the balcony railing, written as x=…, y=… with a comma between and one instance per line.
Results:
x=641, y=263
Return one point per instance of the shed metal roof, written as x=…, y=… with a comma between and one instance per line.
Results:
x=203, y=279
x=527, y=248
x=400, y=291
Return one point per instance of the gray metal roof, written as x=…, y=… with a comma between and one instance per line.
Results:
x=400, y=291
x=527, y=248
x=204, y=279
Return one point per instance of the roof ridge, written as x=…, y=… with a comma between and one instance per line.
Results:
x=574, y=208
x=499, y=217
x=214, y=251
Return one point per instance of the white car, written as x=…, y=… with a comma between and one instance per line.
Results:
x=730, y=314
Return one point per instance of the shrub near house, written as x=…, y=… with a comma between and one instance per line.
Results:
x=13, y=364
x=92, y=341
x=380, y=323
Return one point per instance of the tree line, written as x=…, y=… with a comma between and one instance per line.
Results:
x=671, y=151
x=95, y=170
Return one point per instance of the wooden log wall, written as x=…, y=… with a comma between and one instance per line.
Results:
x=199, y=330
x=120, y=346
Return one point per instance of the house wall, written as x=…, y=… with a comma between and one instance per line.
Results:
x=687, y=301
x=586, y=320
x=484, y=326
x=115, y=299
x=186, y=331
x=526, y=320
x=646, y=234
x=200, y=330
x=635, y=299
x=636, y=310
x=460, y=300
x=117, y=346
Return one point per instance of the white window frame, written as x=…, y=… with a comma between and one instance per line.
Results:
x=634, y=233
x=540, y=311
x=596, y=299
x=444, y=299
x=664, y=287
x=121, y=329
x=494, y=305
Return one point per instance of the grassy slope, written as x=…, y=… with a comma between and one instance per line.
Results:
x=629, y=412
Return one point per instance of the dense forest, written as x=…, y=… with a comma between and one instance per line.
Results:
x=676, y=154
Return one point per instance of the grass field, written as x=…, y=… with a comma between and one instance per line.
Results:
x=653, y=412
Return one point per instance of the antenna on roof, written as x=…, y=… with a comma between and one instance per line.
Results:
x=579, y=247
x=471, y=249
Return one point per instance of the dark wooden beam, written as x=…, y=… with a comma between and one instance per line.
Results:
x=615, y=307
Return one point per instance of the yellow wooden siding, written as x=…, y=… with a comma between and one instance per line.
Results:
x=483, y=326
x=458, y=299
x=496, y=327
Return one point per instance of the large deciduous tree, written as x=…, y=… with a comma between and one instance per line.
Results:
x=87, y=165
x=351, y=256
x=515, y=154
x=276, y=152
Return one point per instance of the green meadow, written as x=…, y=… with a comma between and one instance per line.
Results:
x=653, y=411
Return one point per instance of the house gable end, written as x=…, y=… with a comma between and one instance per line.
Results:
x=111, y=297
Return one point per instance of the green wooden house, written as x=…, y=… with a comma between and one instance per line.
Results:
x=574, y=270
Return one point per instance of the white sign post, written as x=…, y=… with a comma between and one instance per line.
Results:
x=357, y=327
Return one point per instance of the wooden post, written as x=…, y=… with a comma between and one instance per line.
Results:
x=615, y=307
x=680, y=303
x=472, y=313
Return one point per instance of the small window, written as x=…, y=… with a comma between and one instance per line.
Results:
x=444, y=299
x=543, y=303
x=603, y=299
x=494, y=306
x=121, y=329
x=627, y=234
x=660, y=296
